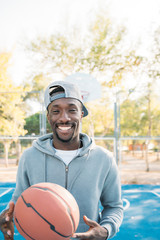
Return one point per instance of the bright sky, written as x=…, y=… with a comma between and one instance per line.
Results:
x=22, y=20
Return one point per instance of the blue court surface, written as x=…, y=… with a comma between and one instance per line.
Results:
x=141, y=211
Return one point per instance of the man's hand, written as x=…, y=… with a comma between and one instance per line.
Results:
x=95, y=232
x=6, y=222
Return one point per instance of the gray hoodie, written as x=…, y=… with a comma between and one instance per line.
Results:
x=92, y=177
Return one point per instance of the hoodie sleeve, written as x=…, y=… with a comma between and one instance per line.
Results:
x=22, y=181
x=112, y=214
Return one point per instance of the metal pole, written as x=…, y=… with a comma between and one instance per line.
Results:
x=44, y=119
x=42, y=115
x=116, y=131
x=119, y=131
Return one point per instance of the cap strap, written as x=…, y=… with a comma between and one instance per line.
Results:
x=57, y=96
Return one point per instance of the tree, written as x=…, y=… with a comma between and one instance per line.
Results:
x=101, y=50
x=141, y=116
x=100, y=121
x=131, y=116
x=32, y=125
x=11, y=105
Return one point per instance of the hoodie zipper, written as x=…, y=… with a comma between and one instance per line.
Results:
x=66, y=172
x=66, y=182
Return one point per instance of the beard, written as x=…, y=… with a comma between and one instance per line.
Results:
x=64, y=140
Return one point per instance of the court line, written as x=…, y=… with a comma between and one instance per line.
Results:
x=158, y=195
x=7, y=191
x=142, y=191
x=127, y=204
x=136, y=191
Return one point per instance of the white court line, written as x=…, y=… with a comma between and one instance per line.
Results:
x=7, y=191
x=158, y=195
x=127, y=204
x=136, y=191
x=142, y=191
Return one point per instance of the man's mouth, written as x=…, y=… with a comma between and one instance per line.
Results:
x=62, y=128
x=65, y=129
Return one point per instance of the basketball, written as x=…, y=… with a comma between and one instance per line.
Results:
x=46, y=211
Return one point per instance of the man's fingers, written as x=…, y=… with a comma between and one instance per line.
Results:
x=8, y=237
x=8, y=230
x=8, y=234
x=11, y=208
x=85, y=235
x=90, y=222
x=89, y=234
x=3, y=221
x=6, y=223
x=9, y=214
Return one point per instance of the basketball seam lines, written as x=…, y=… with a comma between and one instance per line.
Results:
x=45, y=188
x=23, y=229
x=52, y=227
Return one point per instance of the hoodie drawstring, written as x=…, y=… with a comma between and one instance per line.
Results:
x=45, y=168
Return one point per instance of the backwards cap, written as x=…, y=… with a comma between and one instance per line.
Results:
x=69, y=90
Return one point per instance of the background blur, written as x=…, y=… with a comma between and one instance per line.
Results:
x=115, y=42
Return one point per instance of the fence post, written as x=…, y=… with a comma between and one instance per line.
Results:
x=116, y=132
x=42, y=115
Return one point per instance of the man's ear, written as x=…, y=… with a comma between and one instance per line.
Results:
x=48, y=117
x=82, y=114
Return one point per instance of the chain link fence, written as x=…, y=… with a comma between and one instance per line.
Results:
x=142, y=151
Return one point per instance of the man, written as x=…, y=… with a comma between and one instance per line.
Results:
x=72, y=160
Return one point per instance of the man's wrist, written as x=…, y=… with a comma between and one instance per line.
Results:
x=107, y=232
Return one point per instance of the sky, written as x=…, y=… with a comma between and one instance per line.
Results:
x=23, y=20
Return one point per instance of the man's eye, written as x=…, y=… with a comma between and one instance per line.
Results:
x=55, y=111
x=72, y=110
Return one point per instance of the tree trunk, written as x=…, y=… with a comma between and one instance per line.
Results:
x=146, y=156
x=6, y=148
x=18, y=150
x=149, y=126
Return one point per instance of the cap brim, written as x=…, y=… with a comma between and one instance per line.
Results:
x=84, y=109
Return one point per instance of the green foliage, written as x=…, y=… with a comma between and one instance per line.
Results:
x=100, y=121
x=11, y=102
x=153, y=62
x=136, y=120
x=32, y=125
x=130, y=118
x=100, y=50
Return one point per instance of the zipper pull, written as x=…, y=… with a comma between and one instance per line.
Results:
x=66, y=180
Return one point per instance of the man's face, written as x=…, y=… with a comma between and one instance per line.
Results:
x=64, y=116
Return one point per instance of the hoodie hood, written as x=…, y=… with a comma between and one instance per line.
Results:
x=44, y=144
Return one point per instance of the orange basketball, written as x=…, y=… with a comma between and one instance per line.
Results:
x=46, y=211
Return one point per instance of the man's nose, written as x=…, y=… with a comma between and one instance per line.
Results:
x=64, y=117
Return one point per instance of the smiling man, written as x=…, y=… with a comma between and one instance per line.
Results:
x=71, y=159
x=64, y=115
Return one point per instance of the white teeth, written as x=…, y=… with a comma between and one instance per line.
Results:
x=64, y=128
